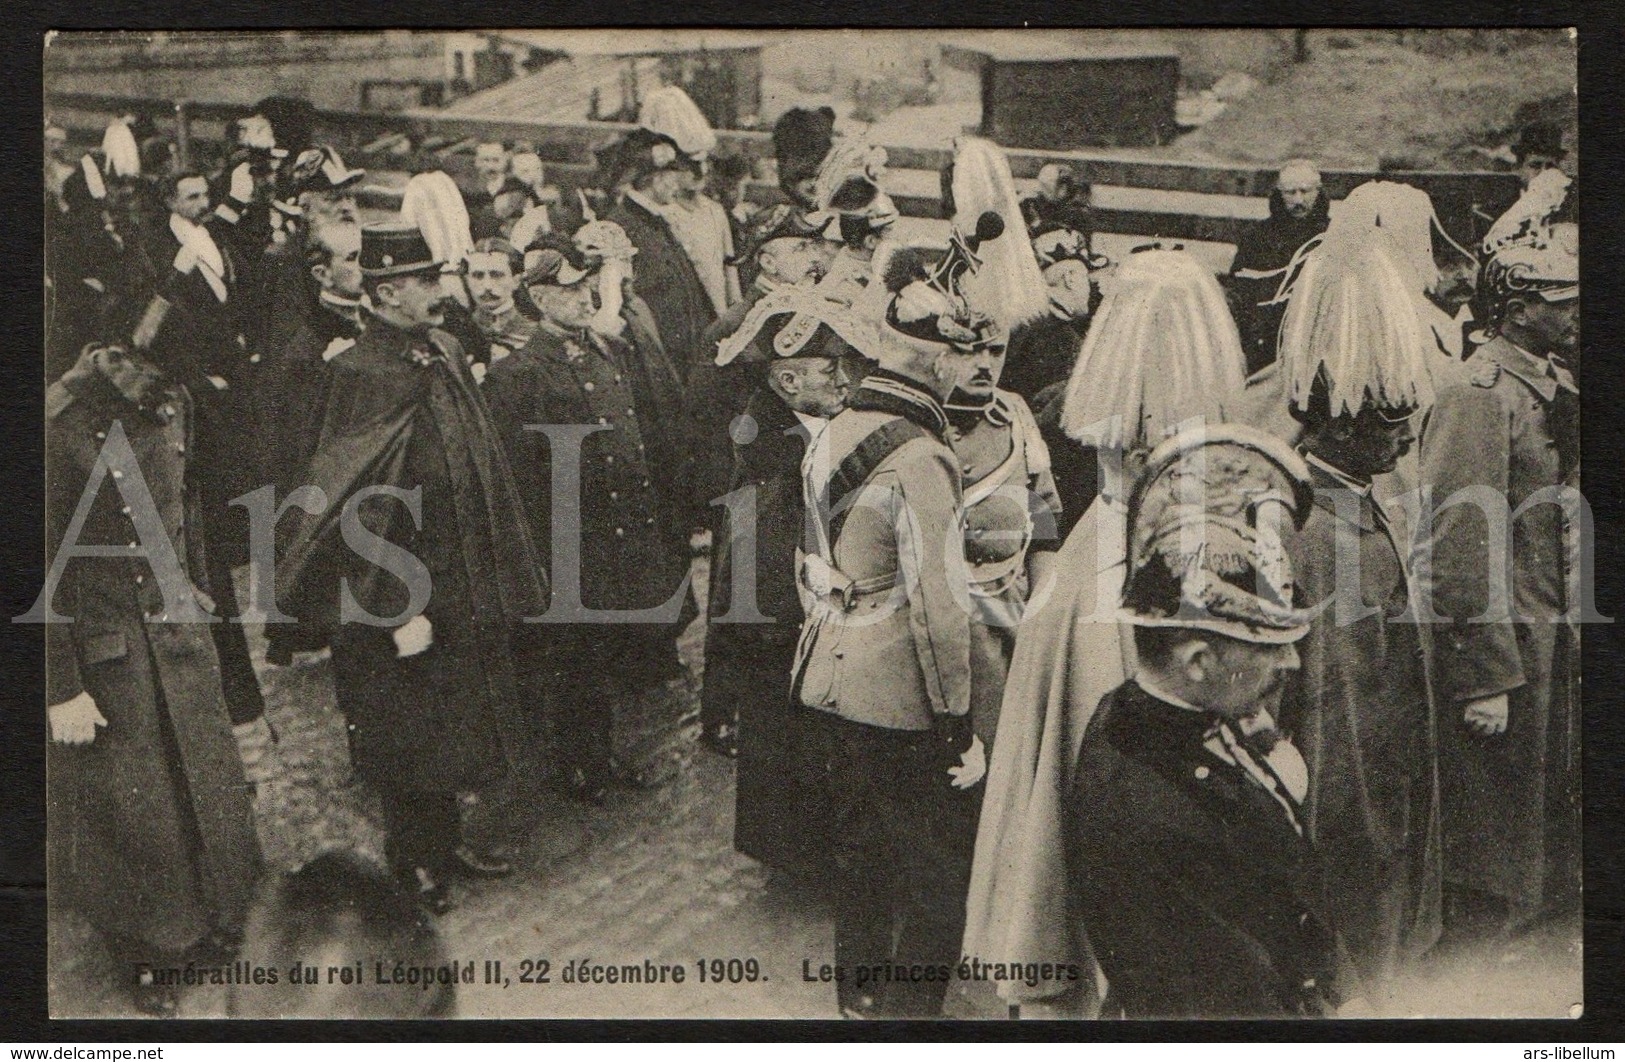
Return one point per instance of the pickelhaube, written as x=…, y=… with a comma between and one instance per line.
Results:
x=1204, y=526
x=1527, y=253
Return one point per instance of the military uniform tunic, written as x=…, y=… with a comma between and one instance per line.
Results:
x=1510, y=801
x=151, y=831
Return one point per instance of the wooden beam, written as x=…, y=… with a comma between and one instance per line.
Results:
x=567, y=149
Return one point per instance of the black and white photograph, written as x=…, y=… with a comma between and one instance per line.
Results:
x=977, y=525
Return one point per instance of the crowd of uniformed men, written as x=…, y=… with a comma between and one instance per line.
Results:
x=1013, y=547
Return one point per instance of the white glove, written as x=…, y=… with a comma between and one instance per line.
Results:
x=242, y=183
x=74, y=722
x=972, y=765
x=414, y=636
x=1486, y=716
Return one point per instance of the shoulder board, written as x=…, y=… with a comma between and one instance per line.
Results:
x=1485, y=375
x=57, y=399
x=446, y=343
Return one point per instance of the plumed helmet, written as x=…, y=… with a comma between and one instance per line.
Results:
x=670, y=112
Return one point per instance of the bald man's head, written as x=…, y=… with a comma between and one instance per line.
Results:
x=1299, y=185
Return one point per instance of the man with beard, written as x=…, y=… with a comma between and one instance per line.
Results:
x=1298, y=211
x=652, y=169
x=1357, y=367
x=409, y=463
x=293, y=379
x=491, y=274
x=1186, y=852
x=1508, y=426
x=793, y=344
x=317, y=189
x=570, y=375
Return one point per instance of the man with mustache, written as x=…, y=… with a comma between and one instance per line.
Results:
x=794, y=345
x=422, y=612
x=883, y=664
x=570, y=375
x=491, y=274
x=1187, y=855
x=1011, y=511
x=1508, y=424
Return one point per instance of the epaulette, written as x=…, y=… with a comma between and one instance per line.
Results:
x=447, y=344
x=57, y=400
x=1485, y=375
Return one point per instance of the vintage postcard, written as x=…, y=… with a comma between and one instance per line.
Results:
x=812, y=524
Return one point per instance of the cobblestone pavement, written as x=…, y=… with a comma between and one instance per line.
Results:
x=651, y=877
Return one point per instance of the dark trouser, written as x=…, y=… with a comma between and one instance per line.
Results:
x=244, y=702
x=901, y=839
x=423, y=829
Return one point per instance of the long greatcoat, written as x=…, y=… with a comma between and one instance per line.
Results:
x=668, y=282
x=747, y=665
x=403, y=412
x=628, y=558
x=1511, y=802
x=151, y=830
x=1360, y=711
x=1070, y=653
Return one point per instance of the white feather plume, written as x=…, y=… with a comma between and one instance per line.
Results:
x=1008, y=286
x=1161, y=350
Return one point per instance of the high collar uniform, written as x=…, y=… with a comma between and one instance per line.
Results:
x=1187, y=864
x=151, y=830
x=1509, y=423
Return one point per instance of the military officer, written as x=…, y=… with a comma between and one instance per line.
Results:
x=1187, y=855
x=1357, y=371
x=790, y=253
x=1011, y=513
x=571, y=376
x=794, y=345
x=151, y=829
x=883, y=662
x=423, y=661
x=1509, y=758
x=491, y=273
x=292, y=384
